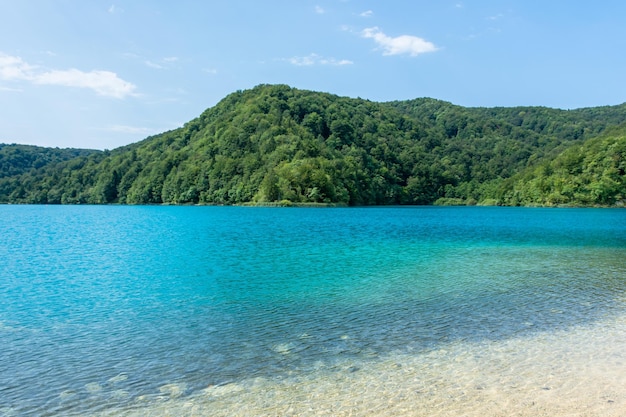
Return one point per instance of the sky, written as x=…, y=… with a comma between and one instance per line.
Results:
x=102, y=74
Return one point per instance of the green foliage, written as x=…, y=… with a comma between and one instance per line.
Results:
x=18, y=159
x=589, y=174
x=278, y=145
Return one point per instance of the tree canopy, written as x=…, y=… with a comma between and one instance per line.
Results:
x=274, y=143
x=18, y=159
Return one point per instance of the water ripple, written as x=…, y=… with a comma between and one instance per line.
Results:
x=117, y=306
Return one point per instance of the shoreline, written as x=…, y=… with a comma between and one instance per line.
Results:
x=577, y=372
x=290, y=204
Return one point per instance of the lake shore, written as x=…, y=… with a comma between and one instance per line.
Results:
x=579, y=372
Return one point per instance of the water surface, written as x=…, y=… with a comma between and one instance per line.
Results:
x=115, y=308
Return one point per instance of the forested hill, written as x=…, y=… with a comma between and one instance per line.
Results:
x=274, y=143
x=17, y=159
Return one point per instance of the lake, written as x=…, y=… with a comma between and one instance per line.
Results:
x=155, y=310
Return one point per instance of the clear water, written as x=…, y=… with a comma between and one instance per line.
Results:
x=106, y=309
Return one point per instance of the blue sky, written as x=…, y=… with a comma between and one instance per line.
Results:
x=102, y=74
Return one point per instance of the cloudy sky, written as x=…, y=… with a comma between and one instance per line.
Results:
x=102, y=74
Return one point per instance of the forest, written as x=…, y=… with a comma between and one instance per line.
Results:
x=274, y=144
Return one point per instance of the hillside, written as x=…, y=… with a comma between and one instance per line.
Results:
x=18, y=159
x=275, y=143
x=589, y=174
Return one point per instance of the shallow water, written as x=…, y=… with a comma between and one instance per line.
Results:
x=263, y=311
x=578, y=372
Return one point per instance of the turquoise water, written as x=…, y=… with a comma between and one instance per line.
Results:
x=103, y=306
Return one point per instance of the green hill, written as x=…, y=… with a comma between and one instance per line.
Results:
x=588, y=174
x=274, y=143
x=18, y=159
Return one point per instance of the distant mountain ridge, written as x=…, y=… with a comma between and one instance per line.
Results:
x=277, y=144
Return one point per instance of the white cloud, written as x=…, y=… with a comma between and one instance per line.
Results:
x=130, y=129
x=14, y=68
x=315, y=59
x=319, y=10
x=340, y=62
x=153, y=64
x=14, y=90
x=404, y=44
x=303, y=61
x=367, y=13
x=104, y=83
x=163, y=63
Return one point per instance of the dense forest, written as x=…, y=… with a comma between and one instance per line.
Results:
x=277, y=144
x=18, y=159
